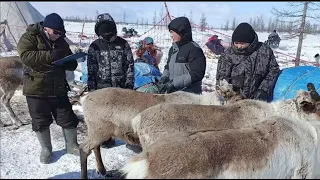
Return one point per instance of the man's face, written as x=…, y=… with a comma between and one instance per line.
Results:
x=53, y=34
x=241, y=45
x=175, y=37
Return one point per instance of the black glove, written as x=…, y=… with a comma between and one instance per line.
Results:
x=167, y=87
x=59, y=54
x=163, y=80
x=260, y=95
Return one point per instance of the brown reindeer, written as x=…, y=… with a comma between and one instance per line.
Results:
x=11, y=73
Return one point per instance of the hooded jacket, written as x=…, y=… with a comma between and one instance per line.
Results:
x=186, y=63
x=41, y=78
x=252, y=71
x=110, y=61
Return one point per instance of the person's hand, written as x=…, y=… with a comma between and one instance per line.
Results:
x=260, y=95
x=58, y=54
x=168, y=87
x=163, y=80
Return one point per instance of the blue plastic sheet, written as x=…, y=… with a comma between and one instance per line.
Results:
x=295, y=78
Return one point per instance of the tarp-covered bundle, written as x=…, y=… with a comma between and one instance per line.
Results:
x=144, y=74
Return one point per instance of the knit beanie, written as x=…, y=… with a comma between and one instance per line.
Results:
x=243, y=33
x=54, y=21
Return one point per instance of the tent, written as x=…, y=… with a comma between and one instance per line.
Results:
x=14, y=19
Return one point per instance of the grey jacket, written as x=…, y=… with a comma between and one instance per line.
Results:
x=186, y=63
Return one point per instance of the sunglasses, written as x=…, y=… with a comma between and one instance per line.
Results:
x=57, y=32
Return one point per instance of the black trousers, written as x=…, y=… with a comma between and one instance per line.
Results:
x=42, y=109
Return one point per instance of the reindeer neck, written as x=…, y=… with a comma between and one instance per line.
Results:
x=210, y=98
x=287, y=108
x=290, y=108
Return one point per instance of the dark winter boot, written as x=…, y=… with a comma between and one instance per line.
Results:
x=46, y=147
x=70, y=137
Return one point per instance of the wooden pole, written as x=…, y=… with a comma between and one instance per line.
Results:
x=81, y=33
x=168, y=14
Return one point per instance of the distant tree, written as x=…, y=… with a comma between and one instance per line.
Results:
x=124, y=16
x=233, y=27
x=203, y=22
x=298, y=14
x=191, y=17
x=154, y=21
x=226, y=27
x=161, y=15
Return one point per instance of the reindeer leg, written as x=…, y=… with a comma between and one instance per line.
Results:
x=100, y=167
x=85, y=150
x=5, y=100
x=84, y=162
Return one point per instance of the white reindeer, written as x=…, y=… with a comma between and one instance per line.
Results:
x=164, y=119
x=108, y=113
x=277, y=147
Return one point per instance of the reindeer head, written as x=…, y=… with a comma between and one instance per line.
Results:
x=226, y=91
x=305, y=101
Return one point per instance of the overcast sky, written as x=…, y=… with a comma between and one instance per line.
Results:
x=217, y=13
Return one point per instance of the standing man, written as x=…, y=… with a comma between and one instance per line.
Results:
x=45, y=85
x=110, y=60
x=249, y=65
x=186, y=63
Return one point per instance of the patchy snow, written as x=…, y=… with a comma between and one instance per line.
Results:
x=20, y=149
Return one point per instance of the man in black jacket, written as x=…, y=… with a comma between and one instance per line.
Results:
x=186, y=63
x=249, y=65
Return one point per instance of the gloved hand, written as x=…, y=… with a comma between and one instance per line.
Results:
x=167, y=87
x=163, y=80
x=260, y=95
x=70, y=65
x=58, y=54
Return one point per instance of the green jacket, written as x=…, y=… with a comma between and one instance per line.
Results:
x=41, y=78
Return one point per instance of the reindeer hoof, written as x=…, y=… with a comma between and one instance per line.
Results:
x=103, y=174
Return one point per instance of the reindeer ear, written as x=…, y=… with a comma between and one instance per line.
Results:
x=224, y=82
x=218, y=87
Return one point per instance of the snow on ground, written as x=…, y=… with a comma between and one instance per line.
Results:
x=20, y=149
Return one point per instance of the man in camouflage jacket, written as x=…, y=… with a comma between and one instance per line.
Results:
x=110, y=59
x=249, y=65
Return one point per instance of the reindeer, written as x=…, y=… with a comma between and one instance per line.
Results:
x=277, y=147
x=11, y=74
x=108, y=113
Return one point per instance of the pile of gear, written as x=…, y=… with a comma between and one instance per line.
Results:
x=129, y=32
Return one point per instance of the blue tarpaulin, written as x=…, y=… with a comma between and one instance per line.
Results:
x=143, y=73
x=295, y=78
